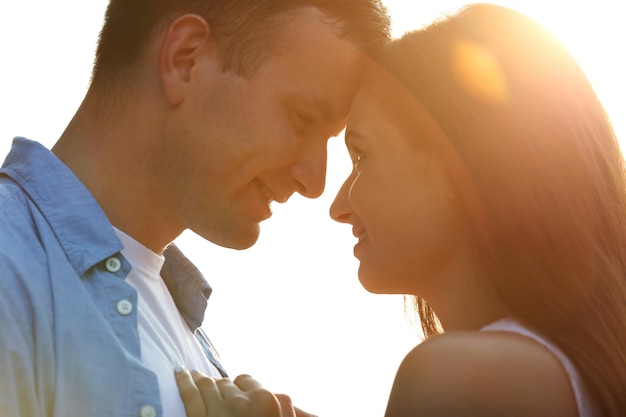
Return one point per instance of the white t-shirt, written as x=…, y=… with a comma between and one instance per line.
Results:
x=165, y=339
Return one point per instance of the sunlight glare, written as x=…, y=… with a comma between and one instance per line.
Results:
x=478, y=71
x=591, y=31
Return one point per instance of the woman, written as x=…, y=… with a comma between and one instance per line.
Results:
x=488, y=186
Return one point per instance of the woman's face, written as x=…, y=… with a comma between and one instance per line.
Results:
x=398, y=197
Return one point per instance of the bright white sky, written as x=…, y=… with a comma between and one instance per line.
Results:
x=290, y=311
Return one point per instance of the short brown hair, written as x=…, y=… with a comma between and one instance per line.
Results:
x=245, y=29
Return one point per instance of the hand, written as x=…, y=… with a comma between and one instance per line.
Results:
x=204, y=396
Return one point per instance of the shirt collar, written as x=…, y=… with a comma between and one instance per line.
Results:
x=83, y=229
x=79, y=223
x=188, y=287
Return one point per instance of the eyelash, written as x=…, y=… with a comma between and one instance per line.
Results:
x=358, y=157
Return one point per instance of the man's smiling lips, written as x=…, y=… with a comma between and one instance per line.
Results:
x=269, y=195
x=266, y=192
x=265, y=197
x=257, y=202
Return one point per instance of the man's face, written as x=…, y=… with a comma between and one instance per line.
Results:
x=248, y=142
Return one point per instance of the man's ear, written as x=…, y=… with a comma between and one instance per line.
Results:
x=184, y=42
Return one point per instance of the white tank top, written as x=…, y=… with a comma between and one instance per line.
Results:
x=586, y=407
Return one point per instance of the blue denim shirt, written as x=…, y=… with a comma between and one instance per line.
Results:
x=69, y=344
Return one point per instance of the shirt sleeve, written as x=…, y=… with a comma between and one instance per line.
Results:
x=20, y=392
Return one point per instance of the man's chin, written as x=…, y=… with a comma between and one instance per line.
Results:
x=240, y=239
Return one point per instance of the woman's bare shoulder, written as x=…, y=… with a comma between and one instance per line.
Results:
x=481, y=374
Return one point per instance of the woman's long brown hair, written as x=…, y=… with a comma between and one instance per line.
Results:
x=541, y=178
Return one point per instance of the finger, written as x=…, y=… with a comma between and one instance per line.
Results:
x=227, y=388
x=238, y=402
x=209, y=392
x=301, y=413
x=286, y=405
x=246, y=397
x=263, y=403
x=247, y=383
x=189, y=393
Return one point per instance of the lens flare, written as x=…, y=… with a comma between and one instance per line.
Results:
x=478, y=71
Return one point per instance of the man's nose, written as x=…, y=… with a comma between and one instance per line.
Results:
x=309, y=172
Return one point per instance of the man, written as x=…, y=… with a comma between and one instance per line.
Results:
x=199, y=115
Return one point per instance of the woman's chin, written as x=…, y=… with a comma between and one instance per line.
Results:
x=375, y=285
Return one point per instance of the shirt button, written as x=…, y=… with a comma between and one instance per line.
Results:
x=113, y=264
x=147, y=411
x=124, y=307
